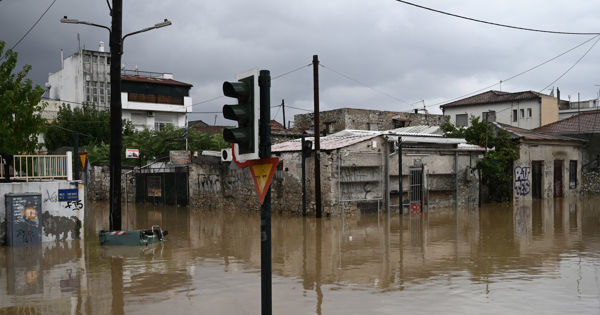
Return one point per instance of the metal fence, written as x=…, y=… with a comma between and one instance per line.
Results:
x=36, y=167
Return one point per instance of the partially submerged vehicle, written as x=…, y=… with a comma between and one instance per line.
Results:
x=132, y=237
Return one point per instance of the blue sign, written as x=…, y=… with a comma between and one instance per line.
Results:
x=68, y=194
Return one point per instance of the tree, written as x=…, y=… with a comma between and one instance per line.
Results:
x=20, y=108
x=92, y=124
x=496, y=165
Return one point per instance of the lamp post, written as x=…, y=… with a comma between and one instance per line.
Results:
x=116, y=50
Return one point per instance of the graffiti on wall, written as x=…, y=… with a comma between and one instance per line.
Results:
x=522, y=184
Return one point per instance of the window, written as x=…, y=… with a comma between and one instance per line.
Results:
x=160, y=126
x=529, y=112
x=573, y=174
x=490, y=116
x=514, y=118
x=94, y=59
x=86, y=58
x=107, y=60
x=102, y=59
x=462, y=120
x=522, y=113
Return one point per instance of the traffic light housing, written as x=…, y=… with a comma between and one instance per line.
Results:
x=246, y=112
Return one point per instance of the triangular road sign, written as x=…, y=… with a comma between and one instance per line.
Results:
x=83, y=159
x=262, y=172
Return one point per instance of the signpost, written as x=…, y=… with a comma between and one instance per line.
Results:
x=249, y=146
x=132, y=153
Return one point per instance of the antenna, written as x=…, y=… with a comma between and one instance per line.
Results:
x=78, y=42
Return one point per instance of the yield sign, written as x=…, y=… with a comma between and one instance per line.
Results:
x=262, y=172
x=83, y=159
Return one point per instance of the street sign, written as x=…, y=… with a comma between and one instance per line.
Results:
x=262, y=172
x=83, y=159
x=68, y=194
x=132, y=153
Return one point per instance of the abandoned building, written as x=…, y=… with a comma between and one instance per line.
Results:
x=359, y=169
x=548, y=166
x=336, y=120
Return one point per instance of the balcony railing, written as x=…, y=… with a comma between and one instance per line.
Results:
x=35, y=167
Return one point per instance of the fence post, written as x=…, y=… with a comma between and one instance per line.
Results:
x=69, y=165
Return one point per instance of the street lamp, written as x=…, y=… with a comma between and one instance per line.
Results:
x=116, y=50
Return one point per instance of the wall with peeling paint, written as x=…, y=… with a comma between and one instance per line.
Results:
x=60, y=220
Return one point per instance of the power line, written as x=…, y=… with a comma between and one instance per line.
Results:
x=297, y=108
x=34, y=24
x=518, y=74
x=572, y=66
x=494, y=23
x=273, y=78
x=365, y=85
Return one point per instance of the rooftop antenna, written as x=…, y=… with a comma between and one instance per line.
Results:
x=215, y=123
x=78, y=42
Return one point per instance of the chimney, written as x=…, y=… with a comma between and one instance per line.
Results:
x=101, y=47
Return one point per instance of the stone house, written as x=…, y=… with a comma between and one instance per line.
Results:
x=340, y=119
x=548, y=166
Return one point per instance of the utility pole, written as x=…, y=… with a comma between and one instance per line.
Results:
x=116, y=47
x=315, y=63
x=283, y=109
x=264, y=84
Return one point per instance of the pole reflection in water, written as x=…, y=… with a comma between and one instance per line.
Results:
x=463, y=260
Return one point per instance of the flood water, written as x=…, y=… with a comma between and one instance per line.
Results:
x=538, y=258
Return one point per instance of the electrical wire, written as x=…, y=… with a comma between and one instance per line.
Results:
x=290, y=72
x=494, y=23
x=365, y=85
x=572, y=66
x=518, y=74
x=297, y=108
x=34, y=24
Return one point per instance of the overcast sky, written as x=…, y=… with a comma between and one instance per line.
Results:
x=400, y=55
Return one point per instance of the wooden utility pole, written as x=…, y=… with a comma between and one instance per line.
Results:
x=315, y=63
x=283, y=109
x=116, y=50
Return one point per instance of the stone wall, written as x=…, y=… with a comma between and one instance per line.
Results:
x=350, y=118
x=591, y=182
x=99, y=183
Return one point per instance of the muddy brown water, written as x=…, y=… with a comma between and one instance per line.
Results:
x=536, y=258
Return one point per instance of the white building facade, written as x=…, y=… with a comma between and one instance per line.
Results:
x=149, y=100
x=525, y=110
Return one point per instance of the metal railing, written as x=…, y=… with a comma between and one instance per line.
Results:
x=34, y=167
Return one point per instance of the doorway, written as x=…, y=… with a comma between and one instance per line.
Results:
x=558, y=178
x=536, y=179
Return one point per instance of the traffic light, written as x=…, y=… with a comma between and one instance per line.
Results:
x=246, y=112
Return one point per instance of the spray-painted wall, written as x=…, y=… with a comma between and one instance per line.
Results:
x=546, y=154
x=60, y=220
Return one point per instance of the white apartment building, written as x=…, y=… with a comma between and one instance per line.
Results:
x=149, y=99
x=525, y=109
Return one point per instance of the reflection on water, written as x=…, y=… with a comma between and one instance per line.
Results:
x=537, y=257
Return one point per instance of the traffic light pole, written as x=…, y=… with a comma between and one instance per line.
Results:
x=264, y=84
x=116, y=47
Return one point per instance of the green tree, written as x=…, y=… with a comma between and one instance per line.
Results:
x=496, y=165
x=20, y=107
x=92, y=124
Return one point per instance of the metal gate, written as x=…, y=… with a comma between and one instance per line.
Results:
x=165, y=185
x=416, y=189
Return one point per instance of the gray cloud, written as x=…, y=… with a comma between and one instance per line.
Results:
x=394, y=49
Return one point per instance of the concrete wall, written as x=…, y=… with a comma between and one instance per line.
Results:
x=549, y=111
x=60, y=220
x=547, y=153
x=361, y=119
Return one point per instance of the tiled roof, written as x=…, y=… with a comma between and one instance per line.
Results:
x=143, y=79
x=583, y=123
x=533, y=135
x=492, y=96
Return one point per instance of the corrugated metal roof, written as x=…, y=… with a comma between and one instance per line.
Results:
x=143, y=79
x=492, y=96
x=583, y=123
x=534, y=135
x=327, y=143
x=421, y=130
